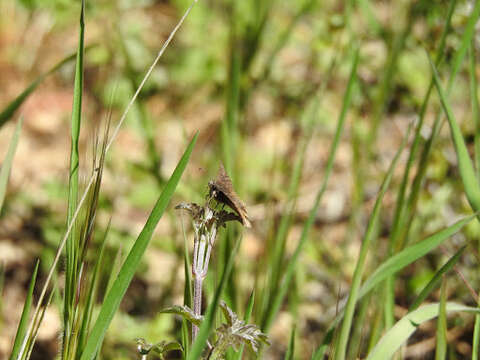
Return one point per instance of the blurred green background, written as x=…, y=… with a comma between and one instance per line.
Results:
x=262, y=81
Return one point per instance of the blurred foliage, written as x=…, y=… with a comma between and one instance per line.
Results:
x=247, y=74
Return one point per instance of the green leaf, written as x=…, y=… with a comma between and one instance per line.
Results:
x=22, y=326
x=8, y=112
x=465, y=166
x=7, y=162
x=411, y=254
x=432, y=284
x=393, y=265
x=394, y=338
x=185, y=312
x=475, y=105
x=284, y=287
x=248, y=314
x=354, y=295
x=72, y=248
x=441, y=348
x=291, y=345
x=119, y=287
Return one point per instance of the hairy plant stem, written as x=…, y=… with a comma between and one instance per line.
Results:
x=205, y=234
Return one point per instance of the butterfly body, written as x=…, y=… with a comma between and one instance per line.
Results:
x=221, y=189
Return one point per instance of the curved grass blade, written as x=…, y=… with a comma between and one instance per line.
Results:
x=441, y=348
x=394, y=338
x=425, y=155
x=22, y=326
x=90, y=182
x=291, y=345
x=7, y=162
x=13, y=106
x=204, y=331
x=393, y=265
x=465, y=166
x=433, y=283
x=353, y=297
x=129, y=267
x=278, y=297
x=398, y=226
x=475, y=106
x=411, y=254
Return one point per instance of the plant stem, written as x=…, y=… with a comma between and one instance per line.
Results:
x=197, y=301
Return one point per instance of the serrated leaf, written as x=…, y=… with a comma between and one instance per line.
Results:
x=185, y=312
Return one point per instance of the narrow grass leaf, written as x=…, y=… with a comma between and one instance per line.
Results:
x=394, y=338
x=8, y=161
x=475, y=105
x=22, y=326
x=425, y=155
x=467, y=172
x=204, y=331
x=476, y=338
x=291, y=345
x=91, y=295
x=248, y=314
x=121, y=283
x=393, y=265
x=8, y=112
x=72, y=252
x=411, y=254
x=436, y=279
x=467, y=36
x=441, y=346
x=278, y=297
x=344, y=335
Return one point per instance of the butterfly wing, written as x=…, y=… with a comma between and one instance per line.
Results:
x=223, y=184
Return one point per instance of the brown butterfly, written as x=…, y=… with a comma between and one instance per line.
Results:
x=221, y=189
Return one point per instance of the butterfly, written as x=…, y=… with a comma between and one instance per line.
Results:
x=221, y=189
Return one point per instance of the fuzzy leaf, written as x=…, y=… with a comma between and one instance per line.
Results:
x=236, y=333
x=185, y=312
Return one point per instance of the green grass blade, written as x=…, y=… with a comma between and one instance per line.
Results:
x=398, y=226
x=394, y=338
x=72, y=252
x=284, y=38
x=417, y=139
x=248, y=314
x=467, y=172
x=340, y=351
x=8, y=161
x=387, y=78
x=467, y=36
x=425, y=155
x=119, y=287
x=278, y=297
x=475, y=105
x=433, y=283
x=441, y=348
x=22, y=326
x=411, y=254
x=8, y=112
x=209, y=318
x=395, y=264
x=291, y=345
x=91, y=297
x=476, y=338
